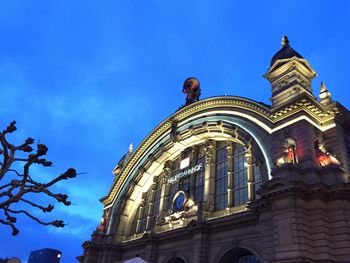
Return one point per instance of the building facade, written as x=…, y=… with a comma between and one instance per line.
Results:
x=228, y=179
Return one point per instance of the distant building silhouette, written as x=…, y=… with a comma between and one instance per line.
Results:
x=45, y=255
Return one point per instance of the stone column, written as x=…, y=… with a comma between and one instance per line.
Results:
x=193, y=158
x=249, y=159
x=164, y=195
x=151, y=249
x=151, y=205
x=230, y=185
x=200, y=245
x=209, y=176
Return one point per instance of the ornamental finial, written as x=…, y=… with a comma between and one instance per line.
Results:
x=325, y=95
x=285, y=41
x=130, y=147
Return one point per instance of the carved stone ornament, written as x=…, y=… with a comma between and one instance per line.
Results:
x=209, y=149
x=174, y=135
x=183, y=207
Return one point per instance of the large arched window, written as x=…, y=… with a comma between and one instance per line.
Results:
x=230, y=179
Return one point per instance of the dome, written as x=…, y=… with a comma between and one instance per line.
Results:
x=285, y=52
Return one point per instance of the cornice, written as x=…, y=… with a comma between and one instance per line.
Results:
x=224, y=223
x=179, y=116
x=307, y=104
x=286, y=65
x=278, y=188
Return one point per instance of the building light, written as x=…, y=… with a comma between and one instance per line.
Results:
x=59, y=255
x=185, y=163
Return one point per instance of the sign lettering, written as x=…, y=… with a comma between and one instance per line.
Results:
x=185, y=172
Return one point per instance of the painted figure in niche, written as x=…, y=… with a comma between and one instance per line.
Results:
x=104, y=221
x=323, y=157
x=289, y=154
x=192, y=89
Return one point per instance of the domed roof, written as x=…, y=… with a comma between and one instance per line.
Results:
x=285, y=52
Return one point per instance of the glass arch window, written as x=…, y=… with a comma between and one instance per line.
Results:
x=144, y=211
x=239, y=174
x=231, y=179
x=155, y=203
x=221, y=176
x=198, y=190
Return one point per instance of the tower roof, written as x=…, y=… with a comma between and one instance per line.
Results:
x=285, y=52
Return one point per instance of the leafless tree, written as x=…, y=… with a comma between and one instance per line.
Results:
x=17, y=183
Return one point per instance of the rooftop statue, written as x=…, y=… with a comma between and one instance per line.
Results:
x=191, y=87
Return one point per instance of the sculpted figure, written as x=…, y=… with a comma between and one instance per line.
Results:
x=192, y=89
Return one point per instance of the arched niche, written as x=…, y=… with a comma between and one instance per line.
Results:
x=239, y=255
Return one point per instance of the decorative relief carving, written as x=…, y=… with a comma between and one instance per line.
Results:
x=235, y=133
x=183, y=208
x=209, y=151
x=174, y=135
x=220, y=126
x=167, y=169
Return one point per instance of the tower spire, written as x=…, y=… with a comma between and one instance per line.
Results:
x=325, y=95
x=285, y=41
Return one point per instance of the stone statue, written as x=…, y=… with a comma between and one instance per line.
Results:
x=191, y=87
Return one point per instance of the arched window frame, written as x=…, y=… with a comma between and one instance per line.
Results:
x=231, y=194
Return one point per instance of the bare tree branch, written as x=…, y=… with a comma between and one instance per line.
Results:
x=14, y=191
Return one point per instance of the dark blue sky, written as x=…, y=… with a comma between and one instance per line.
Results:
x=89, y=77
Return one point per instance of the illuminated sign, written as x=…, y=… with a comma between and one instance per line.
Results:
x=185, y=163
x=186, y=172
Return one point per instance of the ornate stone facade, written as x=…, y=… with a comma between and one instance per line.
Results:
x=227, y=179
